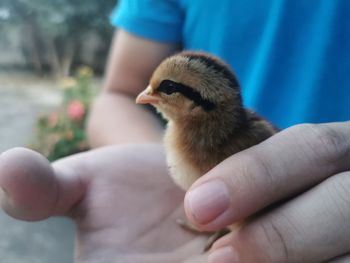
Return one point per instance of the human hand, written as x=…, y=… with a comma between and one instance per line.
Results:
x=124, y=204
x=297, y=181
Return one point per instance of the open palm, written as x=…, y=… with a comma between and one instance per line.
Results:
x=124, y=203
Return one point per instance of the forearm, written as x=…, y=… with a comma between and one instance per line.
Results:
x=115, y=119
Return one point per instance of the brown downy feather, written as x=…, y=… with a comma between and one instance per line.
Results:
x=199, y=148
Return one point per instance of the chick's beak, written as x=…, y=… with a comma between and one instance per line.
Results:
x=147, y=97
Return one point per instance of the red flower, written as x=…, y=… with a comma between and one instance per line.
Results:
x=76, y=110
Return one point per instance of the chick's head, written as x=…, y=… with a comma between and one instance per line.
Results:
x=193, y=85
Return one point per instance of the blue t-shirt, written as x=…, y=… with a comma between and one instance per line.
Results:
x=292, y=57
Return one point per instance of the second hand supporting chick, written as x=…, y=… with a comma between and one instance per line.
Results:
x=199, y=96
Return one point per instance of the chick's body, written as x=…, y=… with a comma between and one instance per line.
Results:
x=200, y=97
x=192, y=150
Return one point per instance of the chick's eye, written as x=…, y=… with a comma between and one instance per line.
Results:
x=167, y=87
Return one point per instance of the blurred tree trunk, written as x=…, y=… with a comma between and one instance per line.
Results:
x=31, y=38
x=61, y=55
x=67, y=57
x=53, y=56
x=30, y=32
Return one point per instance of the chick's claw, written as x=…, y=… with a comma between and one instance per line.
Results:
x=213, y=236
x=189, y=227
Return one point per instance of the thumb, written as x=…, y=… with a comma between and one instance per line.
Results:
x=31, y=189
x=283, y=166
x=28, y=186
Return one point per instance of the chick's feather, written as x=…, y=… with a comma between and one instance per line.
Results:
x=193, y=150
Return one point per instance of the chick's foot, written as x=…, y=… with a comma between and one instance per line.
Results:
x=213, y=236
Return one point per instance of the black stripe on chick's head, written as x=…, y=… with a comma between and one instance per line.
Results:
x=169, y=87
x=215, y=64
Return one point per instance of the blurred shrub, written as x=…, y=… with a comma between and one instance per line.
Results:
x=55, y=32
x=62, y=133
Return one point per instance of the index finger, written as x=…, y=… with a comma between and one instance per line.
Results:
x=288, y=163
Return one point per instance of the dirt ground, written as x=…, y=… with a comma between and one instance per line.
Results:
x=22, y=98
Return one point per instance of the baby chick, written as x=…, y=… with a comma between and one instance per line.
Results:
x=199, y=96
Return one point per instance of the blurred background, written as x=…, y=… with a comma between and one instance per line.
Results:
x=52, y=57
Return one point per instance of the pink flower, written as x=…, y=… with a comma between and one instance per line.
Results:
x=76, y=110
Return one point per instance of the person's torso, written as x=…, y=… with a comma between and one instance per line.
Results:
x=292, y=57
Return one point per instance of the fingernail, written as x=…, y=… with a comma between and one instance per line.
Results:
x=223, y=255
x=207, y=201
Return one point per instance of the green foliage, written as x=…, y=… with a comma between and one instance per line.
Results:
x=61, y=17
x=62, y=133
x=56, y=29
